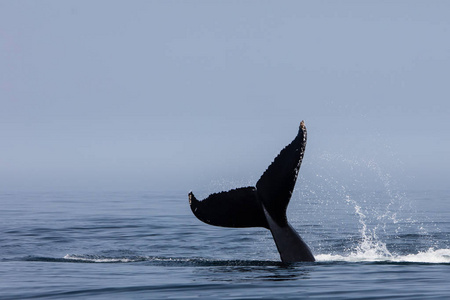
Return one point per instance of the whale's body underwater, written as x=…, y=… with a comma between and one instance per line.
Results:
x=263, y=205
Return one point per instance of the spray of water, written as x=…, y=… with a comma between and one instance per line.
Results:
x=370, y=246
x=375, y=214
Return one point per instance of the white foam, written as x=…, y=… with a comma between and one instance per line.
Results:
x=103, y=259
x=99, y=259
x=429, y=256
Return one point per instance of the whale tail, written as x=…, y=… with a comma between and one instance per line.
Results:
x=265, y=204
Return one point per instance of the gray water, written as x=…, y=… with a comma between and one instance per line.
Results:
x=148, y=245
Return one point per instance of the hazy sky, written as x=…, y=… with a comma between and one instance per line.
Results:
x=179, y=95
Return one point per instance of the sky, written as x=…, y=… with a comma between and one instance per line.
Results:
x=202, y=95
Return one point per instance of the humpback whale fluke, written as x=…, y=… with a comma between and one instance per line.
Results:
x=263, y=205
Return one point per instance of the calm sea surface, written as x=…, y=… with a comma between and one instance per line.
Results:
x=146, y=245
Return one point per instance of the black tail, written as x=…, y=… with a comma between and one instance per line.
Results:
x=264, y=205
x=276, y=185
x=235, y=208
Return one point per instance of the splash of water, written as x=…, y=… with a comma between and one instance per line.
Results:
x=378, y=214
x=370, y=245
x=371, y=249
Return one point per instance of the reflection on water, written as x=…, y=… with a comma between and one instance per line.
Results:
x=252, y=273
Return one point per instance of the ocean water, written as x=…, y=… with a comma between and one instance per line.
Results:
x=148, y=245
